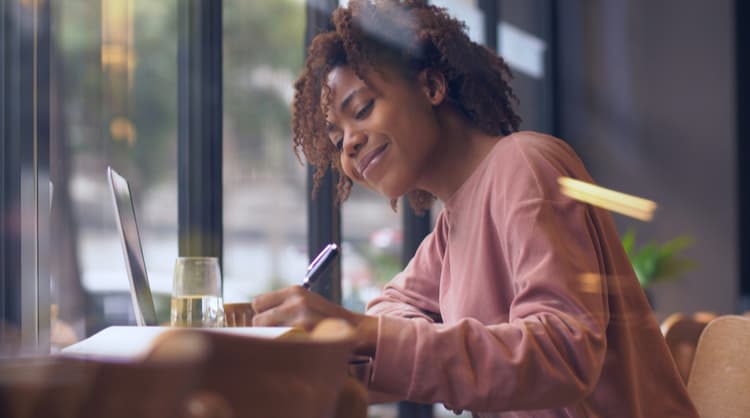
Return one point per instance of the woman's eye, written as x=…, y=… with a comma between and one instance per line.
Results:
x=340, y=144
x=362, y=113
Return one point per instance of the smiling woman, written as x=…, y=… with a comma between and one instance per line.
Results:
x=394, y=52
x=492, y=313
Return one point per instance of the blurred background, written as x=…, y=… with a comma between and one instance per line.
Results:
x=648, y=93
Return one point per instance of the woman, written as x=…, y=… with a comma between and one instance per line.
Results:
x=521, y=299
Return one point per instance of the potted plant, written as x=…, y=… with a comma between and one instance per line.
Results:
x=657, y=263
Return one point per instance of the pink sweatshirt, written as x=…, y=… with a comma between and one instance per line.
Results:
x=523, y=300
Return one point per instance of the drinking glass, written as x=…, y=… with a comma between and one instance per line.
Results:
x=196, y=293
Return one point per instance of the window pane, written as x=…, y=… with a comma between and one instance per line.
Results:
x=114, y=103
x=265, y=212
x=371, y=247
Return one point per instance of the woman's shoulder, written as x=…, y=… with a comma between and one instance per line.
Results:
x=533, y=145
x=533, y=162
x=532, y=149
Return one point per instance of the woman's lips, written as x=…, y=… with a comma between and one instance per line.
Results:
x=370, y=159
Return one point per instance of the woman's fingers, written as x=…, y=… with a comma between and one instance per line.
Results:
x=270, y=300
x=238, y=314
x=289, y=316
x=294, y=306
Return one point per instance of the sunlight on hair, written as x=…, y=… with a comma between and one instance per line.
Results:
x=625, y=204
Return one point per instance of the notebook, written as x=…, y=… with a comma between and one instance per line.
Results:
x=127, y=226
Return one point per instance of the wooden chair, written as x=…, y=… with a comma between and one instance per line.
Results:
x=682, y=333
x=719, y=383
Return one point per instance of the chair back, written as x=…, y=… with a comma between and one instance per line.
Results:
x=681, y=334
x=719, y=382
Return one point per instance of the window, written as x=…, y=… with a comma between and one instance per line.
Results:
x=115, y=94
x=265, y=197
x=24, y=188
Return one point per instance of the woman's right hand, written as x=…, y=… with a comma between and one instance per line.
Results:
x=298, y=307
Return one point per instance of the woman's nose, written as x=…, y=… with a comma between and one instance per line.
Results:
x=353, y=142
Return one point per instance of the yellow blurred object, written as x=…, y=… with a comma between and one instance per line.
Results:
x=118, y=57
x=332, y=329
x=61, y=333
x=122, y=129
x=628, y=205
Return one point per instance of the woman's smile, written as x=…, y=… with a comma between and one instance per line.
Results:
x=370, y=161
x=385, y=131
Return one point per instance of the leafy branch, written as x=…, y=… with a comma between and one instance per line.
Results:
x=655, y=263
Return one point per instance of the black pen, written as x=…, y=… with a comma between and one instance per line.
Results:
x=319, y=264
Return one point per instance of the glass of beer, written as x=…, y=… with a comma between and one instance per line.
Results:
x=196, y=293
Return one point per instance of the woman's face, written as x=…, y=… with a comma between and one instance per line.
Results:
x=386, y=132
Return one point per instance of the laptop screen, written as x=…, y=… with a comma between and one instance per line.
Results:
x=140, y=290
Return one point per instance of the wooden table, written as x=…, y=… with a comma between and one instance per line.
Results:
x=191, y=374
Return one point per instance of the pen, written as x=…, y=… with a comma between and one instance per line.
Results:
x=319, y=264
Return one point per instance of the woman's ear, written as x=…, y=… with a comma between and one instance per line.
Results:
x=433, y=85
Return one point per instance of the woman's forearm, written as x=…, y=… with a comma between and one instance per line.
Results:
x=366, y=334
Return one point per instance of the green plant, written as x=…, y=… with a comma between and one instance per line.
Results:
x=654, y=262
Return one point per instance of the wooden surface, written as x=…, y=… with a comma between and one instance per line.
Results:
x=193, y=375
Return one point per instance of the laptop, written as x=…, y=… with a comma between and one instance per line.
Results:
x=140, y=290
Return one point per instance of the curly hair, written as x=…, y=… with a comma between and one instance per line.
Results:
x=408, y=36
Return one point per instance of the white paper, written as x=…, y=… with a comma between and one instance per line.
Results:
x=133, y=343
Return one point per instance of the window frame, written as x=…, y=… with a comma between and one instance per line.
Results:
x=25, y=192
x=199, y=129
x=742, y=65
x=323, y=214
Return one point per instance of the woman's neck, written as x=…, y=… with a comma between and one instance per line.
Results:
x=462, y=147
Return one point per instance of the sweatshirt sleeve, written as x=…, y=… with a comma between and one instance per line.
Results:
x=413, y=293
x=551, y=350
